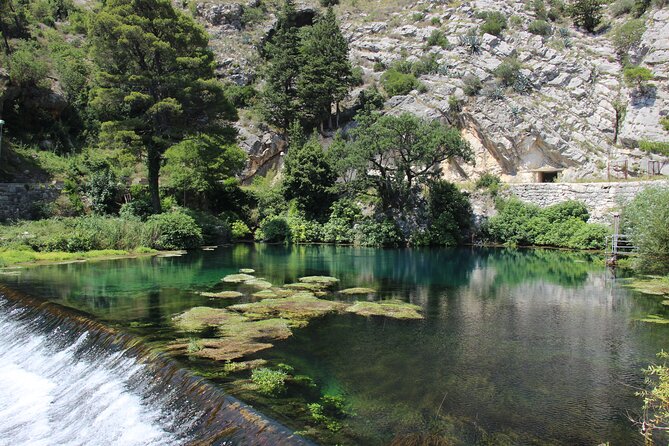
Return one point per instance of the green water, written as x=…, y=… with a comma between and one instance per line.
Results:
x=517, y=347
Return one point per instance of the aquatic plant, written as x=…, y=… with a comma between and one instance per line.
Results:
x=237, y=278
x=265, y=294
x=222, y=294
x=247, y=270
x=270, y=382
x=194, y=345
x=396, y=309
x=325, y=280
x=358, y=290
x=258, y=283
x=298, y=309
x=330, y=410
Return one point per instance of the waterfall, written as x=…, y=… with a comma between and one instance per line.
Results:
x=68, y=380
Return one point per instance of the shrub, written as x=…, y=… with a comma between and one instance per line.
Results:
x=435, y=21
x=566, y=210
x=472, y=85
x=665, y=123
x=371, y=99
x=241, y=96
x=102, y=189
x=621, y=7
x=661, y=148
x=274, y=230
x=396, y=83
x=487, y=181
x=540, y=27
x=495, y=23
x=174, y=230
x=427, y=64
x=515, y=21
x=239, y=230
x=589, y=236
x=586, y=13
x=371, y=232
x=645, y=220
x=471, y=42
x=214, y=230
x=379, y=66
x=27, y=66
x=357, y=74
x=508, y=71
x=438, y=38
x=303, y=230
x=270, y=382
x=454, y=104
x=627, y=36
x=339, y=227
x=450, y=214
x=638, y=77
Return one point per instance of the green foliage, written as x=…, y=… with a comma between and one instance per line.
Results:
x=309, y=179
x=174, y=230
x=540, y=27
x=508, y=72
x=450, y=214
x=471, y=41
x=371, y=99
x=357, y=74
x=394, y=155
x=252, y=16
x=340, y=226
x=156, y=80
x=665, y=123
x=621, y=7
x=645, y=220
x=655, y=397
x=560, y=225
x=328, y=3
x=661, y=148
x=586, y=13
x=27, y=65
x=240, y=231
x=379, y=66
x=626, y=36
x=303, y=230
x=638, y=77
x=268, y=196
x=102, y=190
x=438, y=38
x=515, y=21
x=329, y=411
x=381, y=232
x=270, y=382
x=487, y=181
x=471, y=85
x=273, y=230
x=241, y=96
x=495, y=23
x=396, y=83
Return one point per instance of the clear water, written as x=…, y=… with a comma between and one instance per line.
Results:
x=517, y=347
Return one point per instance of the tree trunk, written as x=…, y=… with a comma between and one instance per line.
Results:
x=153, y=160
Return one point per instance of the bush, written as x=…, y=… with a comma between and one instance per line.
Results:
x=273, y=230
x=173, y=230
x=438, y=38
x=102, y=189
x=371, y=232
x=495, y=23
x=471, y=42
x=450, y=214
x=379, y=66
x=214, y=230
x=586, y=13
x=472, y=85
x=239, y=230
x=515, y=21
x=340, y=226
x=270, y=382
x=638, y=77
x=241, y=96
x=303, y=230
x=566, y=210
x=371, y=99
x=508, y=71
x=627, y=36
x=357, y=74
x=665, y=123
x=540, y=27
x=27, y=67
x=487, y=181
x=589, y=236
x=645, y=219
x=396, y=83
x=621, y=7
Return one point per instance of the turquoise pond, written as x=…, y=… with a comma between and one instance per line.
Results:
x=517, y=347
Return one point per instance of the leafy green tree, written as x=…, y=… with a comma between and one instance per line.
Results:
x=645, y=220
x=13, y=21
x=638, y=77
x=394, y=156
x=279, y=99
x=194, y=166
x=155, y=84
x=325, y=75
x=586, y=13
x=450, y=213
x=309, y=179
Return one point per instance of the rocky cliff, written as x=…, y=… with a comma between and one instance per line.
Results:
x=565, y=120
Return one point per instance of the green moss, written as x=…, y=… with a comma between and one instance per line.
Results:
x=323, y=280
x=247, y=270
x=265, y=294
x=198, y=318
x=223, y=294
x=655, y=285
x=654, y=319
x=237, y=278
x=358, y=290
x=258, y=283
x=298, y=308
x=390, y=308
x=304, y=286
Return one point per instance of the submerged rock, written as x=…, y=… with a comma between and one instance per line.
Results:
x=237, y=278
x=299, y=309
x=265, y=294
x=258, y=283
x=358, y=290
x=304, y=286
x=222, y=294
x=389, y=308
x=322, y=280
x=247, y=270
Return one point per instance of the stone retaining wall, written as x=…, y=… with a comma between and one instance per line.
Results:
x=23, y=200
x=601, y=199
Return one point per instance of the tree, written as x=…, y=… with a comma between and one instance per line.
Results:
x=645, y=220
x=194, y=166
x=309, y=179
x=638, y=77
x=586, y=13
x=155, y=84
x=279, y=99
x=325, y=75
x=394, y=156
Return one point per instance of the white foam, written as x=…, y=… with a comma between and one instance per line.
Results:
x=49, y=397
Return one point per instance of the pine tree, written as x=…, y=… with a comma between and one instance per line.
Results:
x=325, y=77
x=279, y=98
x=156, y=84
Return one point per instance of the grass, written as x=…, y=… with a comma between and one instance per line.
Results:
x=10, y=257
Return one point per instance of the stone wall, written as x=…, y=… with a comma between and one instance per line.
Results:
x=602, y=199
x=23, y=200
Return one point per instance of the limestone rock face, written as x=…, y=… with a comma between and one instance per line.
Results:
x=566, y=119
